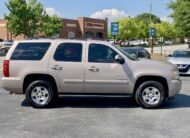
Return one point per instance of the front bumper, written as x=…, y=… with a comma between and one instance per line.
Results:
x=185, y=73
x=174, y=87
x=184, y=69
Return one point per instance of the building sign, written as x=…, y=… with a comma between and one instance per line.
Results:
x=2, y=25
x=115, y=28
x=152, y=32
x=71, y=25
x=92, y=25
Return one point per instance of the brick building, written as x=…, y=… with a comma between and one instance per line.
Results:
x=4, y=34
x=81, y=28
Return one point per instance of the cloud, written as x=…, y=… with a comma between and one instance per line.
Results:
x=52, y=11
x=167, y=19
x=112, y=14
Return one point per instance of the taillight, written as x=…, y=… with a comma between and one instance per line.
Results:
x=6, y=68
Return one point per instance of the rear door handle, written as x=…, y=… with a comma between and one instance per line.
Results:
x=57, y=67
x=93, y=69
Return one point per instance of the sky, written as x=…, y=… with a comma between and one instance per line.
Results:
x=112, y=9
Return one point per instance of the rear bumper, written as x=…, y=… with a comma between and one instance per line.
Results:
x=174, y=87
x=12, y=85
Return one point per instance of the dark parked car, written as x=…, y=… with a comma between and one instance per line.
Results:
x=5, y=46
x=138, y=52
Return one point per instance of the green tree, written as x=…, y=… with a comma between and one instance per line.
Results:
x=128, y=29
x=143, y=30
x=145, y=17
x=28, y=18
x=165, y=30
x=52, y=26
x=181, y=16
x=25, y=18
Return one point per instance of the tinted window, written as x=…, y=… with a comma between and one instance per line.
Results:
x=69, y=52
x=131, y=51
x=142, y=53
x=181, y=54
x=125, y=53
x=30, y=51
x=101, y=53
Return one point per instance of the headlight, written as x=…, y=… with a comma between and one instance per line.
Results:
x=175, y=73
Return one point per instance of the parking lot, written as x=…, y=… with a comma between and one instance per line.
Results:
x=95, y=117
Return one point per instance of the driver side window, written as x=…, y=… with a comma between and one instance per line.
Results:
x=101, y=54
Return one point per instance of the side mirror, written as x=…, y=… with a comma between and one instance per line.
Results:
x=119, y=59
x=169, y=55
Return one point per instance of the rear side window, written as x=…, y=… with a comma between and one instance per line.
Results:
x=30, y=51
x=69, y=52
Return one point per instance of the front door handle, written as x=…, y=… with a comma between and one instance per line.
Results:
x=57, y=67
x=93, y=69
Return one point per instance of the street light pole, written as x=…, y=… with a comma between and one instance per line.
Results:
x=150, y=13
x=151, y=38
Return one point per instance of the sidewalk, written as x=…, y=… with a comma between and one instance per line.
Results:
x=168, y=49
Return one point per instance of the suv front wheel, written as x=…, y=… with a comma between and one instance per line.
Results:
x=39, y=94
x=150, y=94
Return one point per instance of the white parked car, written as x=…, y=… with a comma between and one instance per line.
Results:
x=168, y=43
x=5, y=46
x=144, y=43
x=181, y=58
x=134, y=43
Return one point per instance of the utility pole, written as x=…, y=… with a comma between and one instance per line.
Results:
x=150, y=37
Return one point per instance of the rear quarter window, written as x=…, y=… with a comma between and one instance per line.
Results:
x=30, y=51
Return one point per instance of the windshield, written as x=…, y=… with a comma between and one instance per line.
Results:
x=125, y=53
x=130, y=51
x=181, y=54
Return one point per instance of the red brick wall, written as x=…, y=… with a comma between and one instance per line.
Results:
x=4, y=34
x=3, y=29
x=69, y=25
x=95, y=31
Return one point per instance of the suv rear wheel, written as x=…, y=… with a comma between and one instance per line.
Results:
x=150, y=94
x=40, y=94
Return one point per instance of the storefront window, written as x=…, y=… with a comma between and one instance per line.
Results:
x=99, y=35
x=89, y=35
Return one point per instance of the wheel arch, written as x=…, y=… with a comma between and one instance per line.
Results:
x=32, y=77
x=159, y=79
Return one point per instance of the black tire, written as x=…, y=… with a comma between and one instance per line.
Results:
x=40, y=84
x=147, y=86
x=3, y=51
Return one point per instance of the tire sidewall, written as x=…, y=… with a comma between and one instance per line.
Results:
x=34, y=84
x=142, y=87
x=3, y=51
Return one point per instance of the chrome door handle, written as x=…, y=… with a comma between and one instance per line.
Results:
x=57, y=67
x=93, y=69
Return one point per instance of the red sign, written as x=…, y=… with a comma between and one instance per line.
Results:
x=94, y=25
